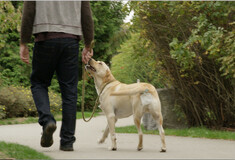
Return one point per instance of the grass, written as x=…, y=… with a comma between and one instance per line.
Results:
x=16, y=151
x=27, y=120
x=199, y=132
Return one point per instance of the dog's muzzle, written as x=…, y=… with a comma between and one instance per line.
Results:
x=89, y=67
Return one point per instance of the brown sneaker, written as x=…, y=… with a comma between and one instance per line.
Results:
x=47, y=135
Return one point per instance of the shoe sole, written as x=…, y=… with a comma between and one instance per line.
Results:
x=66, y=149
x=47, y=136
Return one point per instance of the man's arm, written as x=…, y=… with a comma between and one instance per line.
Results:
x=87, y=23
x=27, y=21
x=26, y=29
x=88, y=31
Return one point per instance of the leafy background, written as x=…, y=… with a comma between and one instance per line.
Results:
x=188, y=46
x=194, y=45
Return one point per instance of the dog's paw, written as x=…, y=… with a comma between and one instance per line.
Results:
x=112, y=148
x=163, y=150
x=139, y=148
x=100, y=141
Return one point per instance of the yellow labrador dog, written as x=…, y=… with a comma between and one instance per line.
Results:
x=119, y=100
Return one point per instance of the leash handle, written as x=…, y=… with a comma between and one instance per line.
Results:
x=83, y=90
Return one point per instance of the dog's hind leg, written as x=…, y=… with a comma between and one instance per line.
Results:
x=159, y=122
x=105, y=135
x=137, y=120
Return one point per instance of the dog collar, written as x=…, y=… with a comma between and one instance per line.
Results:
x=105, y=86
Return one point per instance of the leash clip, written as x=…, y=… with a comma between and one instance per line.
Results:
x=146, y=91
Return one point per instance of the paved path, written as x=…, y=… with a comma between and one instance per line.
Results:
x=86, y=146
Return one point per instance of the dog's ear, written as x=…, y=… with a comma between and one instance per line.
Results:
x=108, y=76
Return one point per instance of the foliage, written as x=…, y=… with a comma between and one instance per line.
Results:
x=119, y=38
x=196, y=132
x=2, y=111
x=216, y=42
x=18, y=102
x=17, y=151
x=121, y=65
x=194, y=45
x=108, y=17
x=12, y=70
x=134, y=63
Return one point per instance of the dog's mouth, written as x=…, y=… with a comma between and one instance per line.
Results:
x=89, y=67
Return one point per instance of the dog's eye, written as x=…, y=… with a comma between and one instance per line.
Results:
x=100, y=63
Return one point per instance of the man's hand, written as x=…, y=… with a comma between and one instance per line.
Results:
x=87, y=53
x=24, y=53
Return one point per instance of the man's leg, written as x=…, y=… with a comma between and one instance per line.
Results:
x=67, y=74
x=43, y=67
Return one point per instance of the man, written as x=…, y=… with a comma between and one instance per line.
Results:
x=57, y=27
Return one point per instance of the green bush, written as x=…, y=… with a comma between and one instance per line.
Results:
x=55, y=102
x=18, y=102
x=12, y=69
x=2, y=111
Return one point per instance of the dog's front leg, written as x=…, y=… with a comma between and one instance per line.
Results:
x=111, y=123
x=105, y=135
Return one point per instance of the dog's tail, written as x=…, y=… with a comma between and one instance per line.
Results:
x=132, y=91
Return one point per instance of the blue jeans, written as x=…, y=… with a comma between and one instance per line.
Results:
x=60, y=56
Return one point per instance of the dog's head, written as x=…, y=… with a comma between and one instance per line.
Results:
x=97, y=68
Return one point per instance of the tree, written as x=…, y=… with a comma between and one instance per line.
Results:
x=194, y=44
x=108, y=18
